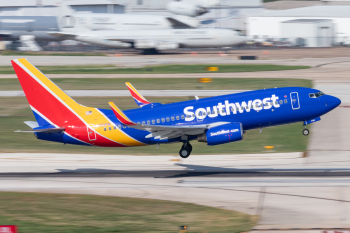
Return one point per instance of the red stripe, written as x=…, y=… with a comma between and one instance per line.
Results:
x=45, y=103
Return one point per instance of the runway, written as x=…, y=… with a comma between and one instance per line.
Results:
x=287, y=190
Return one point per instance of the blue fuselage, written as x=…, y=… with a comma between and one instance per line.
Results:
x=253, y=109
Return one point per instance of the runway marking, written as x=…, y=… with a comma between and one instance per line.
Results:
x=175, y=186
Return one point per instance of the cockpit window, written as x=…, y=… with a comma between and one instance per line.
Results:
x=316, y=95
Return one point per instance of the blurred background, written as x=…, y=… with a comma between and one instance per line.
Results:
x=29, y=25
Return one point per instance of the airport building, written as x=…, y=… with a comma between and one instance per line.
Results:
x=316, y=26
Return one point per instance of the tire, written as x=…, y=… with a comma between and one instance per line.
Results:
x=306, y=132
x=184, y=153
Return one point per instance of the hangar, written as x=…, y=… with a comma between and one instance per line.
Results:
x=272, y=24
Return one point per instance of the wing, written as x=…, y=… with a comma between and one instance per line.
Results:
x=63, y=35
x=139, y=99
x=164, y=131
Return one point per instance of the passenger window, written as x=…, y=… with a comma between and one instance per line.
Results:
x=148, y=122
x=110, y=128
x=167, y=119
x=188, y=116
x=247, y=107
x=105, y=129
x=222, y=110
x=143, y=122
x=177, y=118
x=153, y=121
x=204, y=113
x=232, y=109
x=124, y=126
x=119, y=126
x=285, y=101
x=158, y=121
x=200, y=114
x=182, y=117
x=173, y=118
x=163, y=120
x=281, y=101
x=115, y=127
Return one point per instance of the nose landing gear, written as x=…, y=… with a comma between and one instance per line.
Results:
x=185, y=150
x=306, y=132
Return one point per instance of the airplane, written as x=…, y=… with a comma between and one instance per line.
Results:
x=150, y=40
x=214, y=120
x=67, y=18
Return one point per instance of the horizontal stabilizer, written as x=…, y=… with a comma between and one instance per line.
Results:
x=51, y=130
x=32, y=124
x=120, y=115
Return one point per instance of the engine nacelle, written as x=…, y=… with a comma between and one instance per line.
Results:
x=186, y=8
x=222, y=134
x=166, y=46
x=102, y=42
x=145, y=44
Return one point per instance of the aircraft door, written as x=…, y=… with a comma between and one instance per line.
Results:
x=91, y=132
x=294, y=98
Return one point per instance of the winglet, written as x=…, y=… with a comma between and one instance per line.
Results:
x=139, y=99
x=120, y=115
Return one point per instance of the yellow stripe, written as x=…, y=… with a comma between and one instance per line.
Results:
x=94, y=119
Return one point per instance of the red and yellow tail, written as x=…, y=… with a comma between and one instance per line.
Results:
x=52, y=106
x=44, y=97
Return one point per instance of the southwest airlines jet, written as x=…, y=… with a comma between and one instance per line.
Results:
x=214, y=120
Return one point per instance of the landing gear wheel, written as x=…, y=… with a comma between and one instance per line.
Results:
x=306, y=132
x=185, y=150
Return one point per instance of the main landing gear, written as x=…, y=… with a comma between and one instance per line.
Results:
x=306, y=132
x=185, y=150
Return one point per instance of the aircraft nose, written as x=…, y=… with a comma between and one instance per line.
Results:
x=333, y=102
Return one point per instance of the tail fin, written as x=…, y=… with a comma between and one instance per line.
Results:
x=51, y=105
x=139, y=99
x=67, y=21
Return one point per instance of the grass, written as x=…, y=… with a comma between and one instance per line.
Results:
x=162, y=84
x=161, y=69
x=64, y=213
x=15, y=110
x=15, y=53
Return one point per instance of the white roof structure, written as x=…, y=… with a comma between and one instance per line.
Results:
x=325, y=11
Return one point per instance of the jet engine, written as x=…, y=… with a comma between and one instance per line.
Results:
x=167, y=46
x=149, y=44
x=222, y=134
x=102, y=42
x=186, y=8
